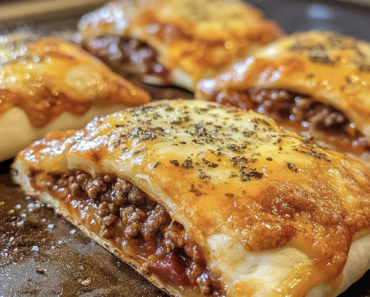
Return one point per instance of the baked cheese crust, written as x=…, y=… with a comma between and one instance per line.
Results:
x=271, y=213
x=192, y=39
x=330, y=69
x=44, y=79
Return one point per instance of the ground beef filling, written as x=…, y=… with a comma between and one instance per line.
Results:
x=126, y=51
x=302, y=113
x=127, y=216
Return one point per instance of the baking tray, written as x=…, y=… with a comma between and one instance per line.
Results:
x=45, y=9
x=43, y=255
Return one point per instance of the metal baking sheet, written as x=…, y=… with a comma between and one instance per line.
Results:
x=43, y=255
x=45, y=9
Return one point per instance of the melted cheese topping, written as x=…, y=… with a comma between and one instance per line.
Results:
x=246, y=191
x=198, y=37
x=48, y=76
x=330, y=68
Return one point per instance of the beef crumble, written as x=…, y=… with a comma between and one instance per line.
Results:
x=128, y=216
x=280, y=105
x=126, y=51
x=302, y=113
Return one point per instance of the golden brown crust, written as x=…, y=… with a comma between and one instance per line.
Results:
x=46, y=77
x=241, y=186
x=199, y=38
x=331, y=69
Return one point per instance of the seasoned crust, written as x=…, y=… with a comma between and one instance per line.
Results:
x=327, y=68
x=330, y=68
x=193, y=39
x=262, y=193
